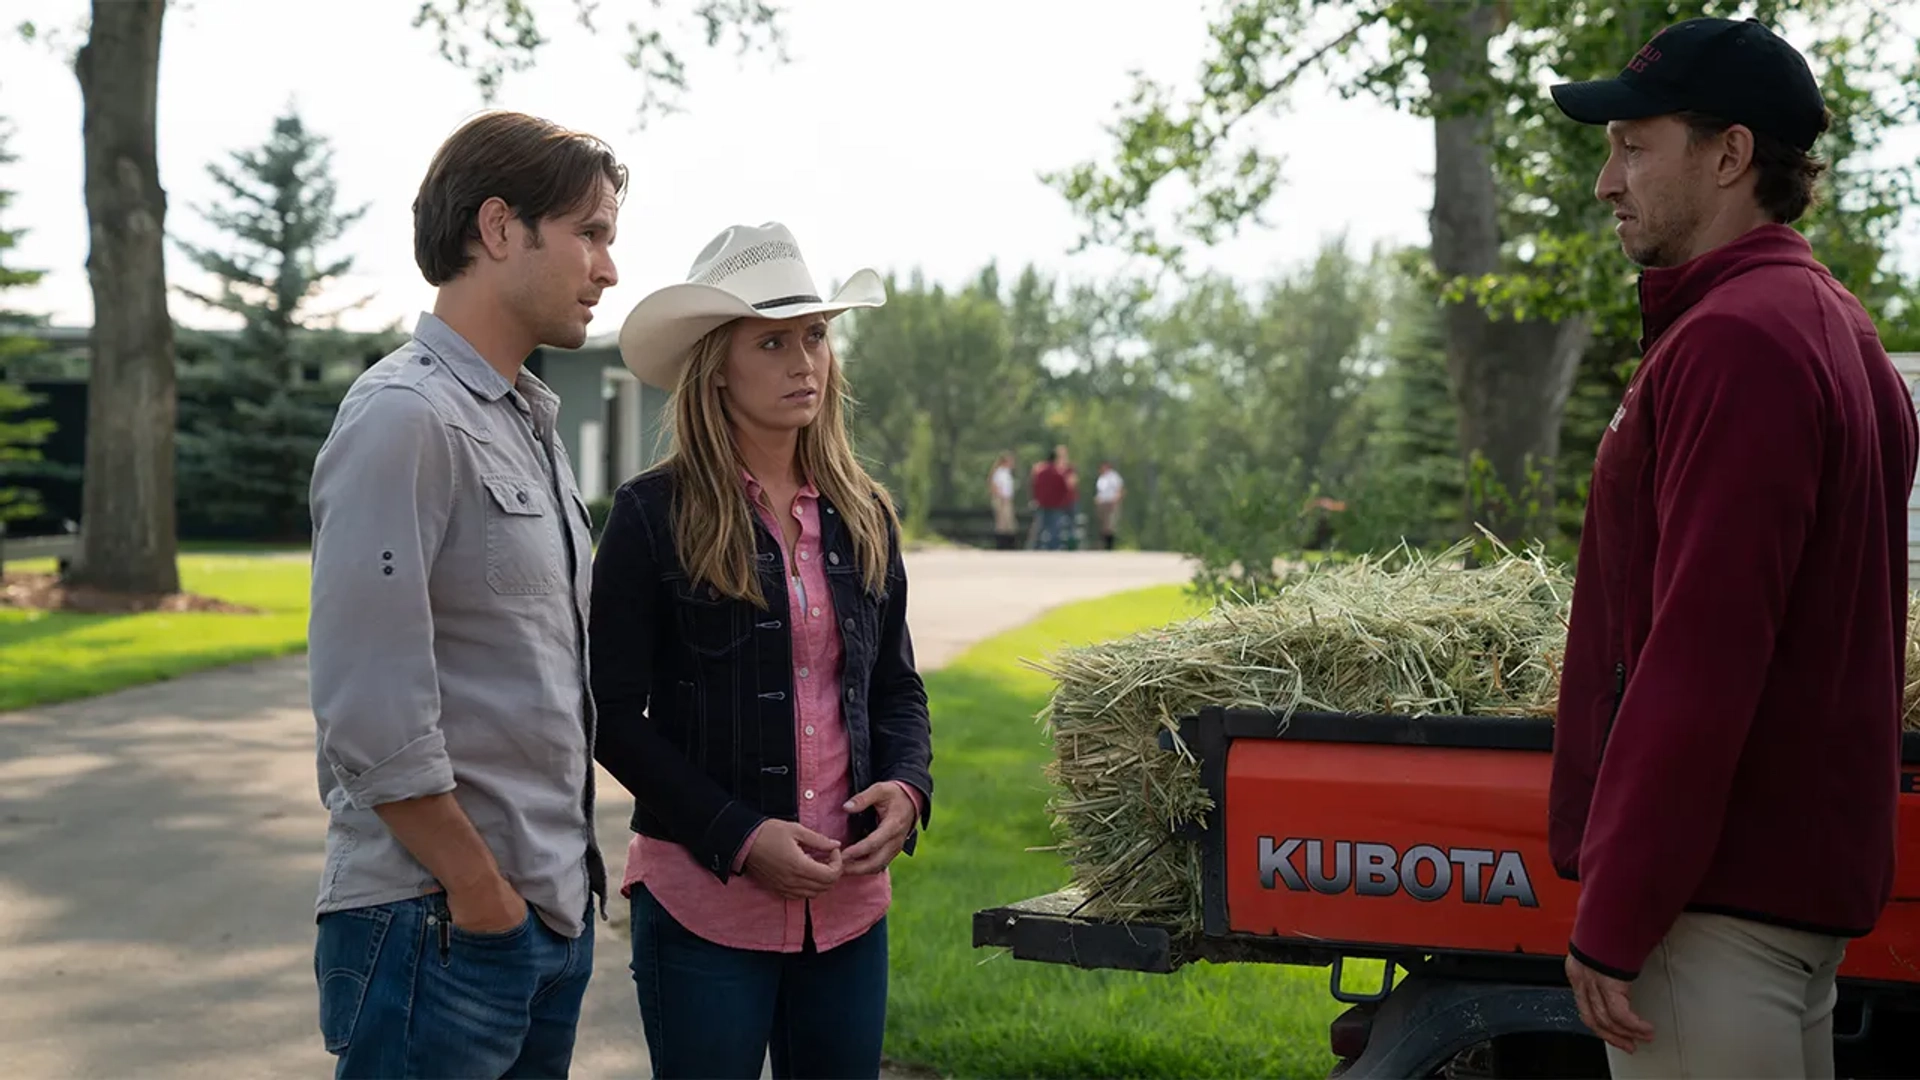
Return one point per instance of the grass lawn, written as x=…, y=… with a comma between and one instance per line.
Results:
x=968, y=1012
x=47, y=657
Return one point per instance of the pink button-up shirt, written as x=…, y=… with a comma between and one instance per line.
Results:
x=742, y=913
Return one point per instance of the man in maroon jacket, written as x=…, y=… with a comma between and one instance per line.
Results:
x=1727, y=747
x=1055, y=491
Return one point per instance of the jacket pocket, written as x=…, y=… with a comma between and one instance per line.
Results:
x=523, y=540
x=711, y=622
x=347, y=947
x=857, y=610
x=1613, y=714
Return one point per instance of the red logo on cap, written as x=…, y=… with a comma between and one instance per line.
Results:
x=1647, y=56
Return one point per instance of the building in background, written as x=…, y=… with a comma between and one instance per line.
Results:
x=613, y=425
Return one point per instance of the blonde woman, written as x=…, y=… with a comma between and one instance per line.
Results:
x=1000, y=493
x=755, y=680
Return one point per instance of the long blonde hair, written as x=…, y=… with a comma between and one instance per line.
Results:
x=712, y=522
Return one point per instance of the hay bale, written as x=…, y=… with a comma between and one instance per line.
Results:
x=1411, y=634
x=1910, y=715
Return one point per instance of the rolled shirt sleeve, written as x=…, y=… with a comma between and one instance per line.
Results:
x=381, y=496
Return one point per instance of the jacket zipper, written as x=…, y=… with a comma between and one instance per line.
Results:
x=1619, y=692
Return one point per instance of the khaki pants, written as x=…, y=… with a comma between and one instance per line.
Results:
x=1733, y=998
x=1002, y=515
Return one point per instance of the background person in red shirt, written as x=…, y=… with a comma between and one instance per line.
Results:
x=1055, y=491
x=1726, y=752
x=756, y=682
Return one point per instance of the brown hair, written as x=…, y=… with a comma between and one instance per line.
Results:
x=712, y=522
x=1786, y=177
x=537, y=167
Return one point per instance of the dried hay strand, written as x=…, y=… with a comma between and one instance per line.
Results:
x=1410, y=634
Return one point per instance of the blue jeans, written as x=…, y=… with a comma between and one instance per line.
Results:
x=1054, y=526
x=405, y=993
x=714, y=1011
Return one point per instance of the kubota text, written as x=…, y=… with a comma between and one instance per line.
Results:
x=1424, y=872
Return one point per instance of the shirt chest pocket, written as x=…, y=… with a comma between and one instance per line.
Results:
x=523, y=538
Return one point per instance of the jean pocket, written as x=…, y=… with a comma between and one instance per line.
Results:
x=344, y=955
x=505, y=939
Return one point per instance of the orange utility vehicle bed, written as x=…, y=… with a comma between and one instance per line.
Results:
x=1422, y=842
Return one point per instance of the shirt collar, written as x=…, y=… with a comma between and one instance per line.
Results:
x=460, y=358
x=807, y=490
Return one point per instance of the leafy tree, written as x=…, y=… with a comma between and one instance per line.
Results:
x=20, y=438
x=919, y=470
x=950, y=356
x=1519, y=246
x=1228, y=408
x=130, y=542
x=492, y=38
x=254, y=413
x=1120, y=395
x=1323, y=323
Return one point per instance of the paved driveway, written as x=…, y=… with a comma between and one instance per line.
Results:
x=159, y=850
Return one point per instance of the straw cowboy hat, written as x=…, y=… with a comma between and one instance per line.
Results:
x=744, y=272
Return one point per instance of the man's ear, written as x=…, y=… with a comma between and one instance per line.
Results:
x=495, y=220
x=1735, y=150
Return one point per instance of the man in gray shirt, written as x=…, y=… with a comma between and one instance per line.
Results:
x=448, y=652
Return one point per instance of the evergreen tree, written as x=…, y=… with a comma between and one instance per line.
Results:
x=1411, y=484
x=255, y=410
x=20, y=437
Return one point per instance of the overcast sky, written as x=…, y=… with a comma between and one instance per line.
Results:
x=902, y=134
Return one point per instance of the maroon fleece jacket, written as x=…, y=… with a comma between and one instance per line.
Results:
x=1728, y=732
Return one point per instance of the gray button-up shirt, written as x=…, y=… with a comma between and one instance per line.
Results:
x=451, y=569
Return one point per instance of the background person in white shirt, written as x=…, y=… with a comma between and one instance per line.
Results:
x=1000, y=491
x=1108, y=491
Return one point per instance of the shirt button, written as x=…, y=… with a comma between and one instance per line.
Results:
x=847, y=625
x=521, y=495
x=804, y=556
x=809, y=794
x=833, y=557
x=803, y=673
x=809, y=729
x=815, y=613
x=849, y=693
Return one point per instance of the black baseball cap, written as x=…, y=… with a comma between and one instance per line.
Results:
x=1738, y=71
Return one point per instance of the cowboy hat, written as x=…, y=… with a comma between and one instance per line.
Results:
x=743, y=273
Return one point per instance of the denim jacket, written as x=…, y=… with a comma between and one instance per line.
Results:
x=695, y=688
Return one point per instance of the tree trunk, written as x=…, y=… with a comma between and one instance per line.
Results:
x=128, y=513
x=1510, y=378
